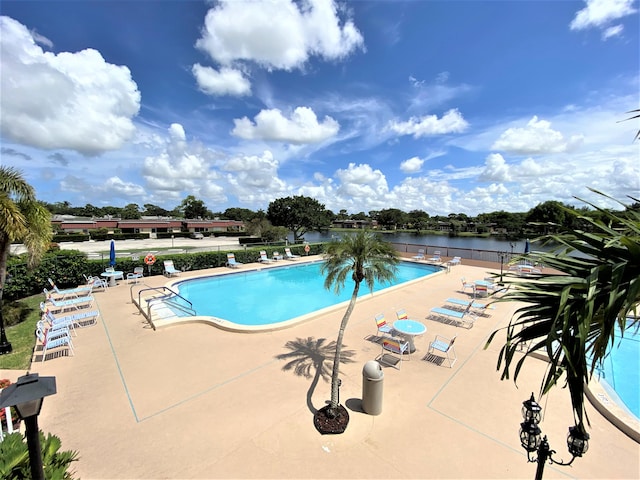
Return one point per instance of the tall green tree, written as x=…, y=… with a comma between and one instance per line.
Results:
x=363, y=257
x=131, y=212
x=575, y=316
x=193, y=208
x=299, y=214
x=22, y=219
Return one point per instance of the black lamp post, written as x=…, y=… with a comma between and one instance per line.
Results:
x=26, y=396
x=577, y=440
x=502, y=256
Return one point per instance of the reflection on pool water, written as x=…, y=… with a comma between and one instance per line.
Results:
x=274, y=295
x=620, y=370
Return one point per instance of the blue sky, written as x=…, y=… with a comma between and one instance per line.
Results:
x=441, y=106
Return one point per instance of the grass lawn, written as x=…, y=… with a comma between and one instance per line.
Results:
x=22, y=337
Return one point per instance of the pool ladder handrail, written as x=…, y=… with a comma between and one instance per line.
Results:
x=163, y=298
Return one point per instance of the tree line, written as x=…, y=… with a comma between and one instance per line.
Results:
x=300, y=214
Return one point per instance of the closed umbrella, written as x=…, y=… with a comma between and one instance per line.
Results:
x=112, y=254
x=527, y=247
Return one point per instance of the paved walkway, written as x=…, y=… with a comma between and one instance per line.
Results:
x=194, y=401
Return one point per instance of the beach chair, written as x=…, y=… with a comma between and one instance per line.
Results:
x=394, y=351
x=169, y=269
x=263, y=257
x=436, y=257
x=383, y=326
x=80, y=291
x=80, y=318
x=231, y=261
x=55, y=324
x=463, y=319
x=138, y=273
x=402, y=314
x=69, y=304
x=97, y=283
x=445, y=346
x=290, y=256
x=420, y=255
x=50, y=339
x=454, y=261
x=478, y=306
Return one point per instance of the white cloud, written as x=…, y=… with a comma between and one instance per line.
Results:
x=226, y=81
x=412, y=165
x=118, y=188
x=599, y=13
x=361, y=181
x=536, y=138
x=496, y=169
x=451, y=122
x=277, y=34
x=272, y=125
x=614, y=31
x=75, y=101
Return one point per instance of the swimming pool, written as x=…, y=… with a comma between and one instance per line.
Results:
x=620, y=370
x=273, y=295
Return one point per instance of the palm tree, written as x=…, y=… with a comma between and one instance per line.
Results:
x=22, y=219
x=360, y=257
x=575, y=316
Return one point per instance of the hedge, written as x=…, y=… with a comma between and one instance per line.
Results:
x=67, y=268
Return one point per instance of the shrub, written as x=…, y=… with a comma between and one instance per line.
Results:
x=14, y=458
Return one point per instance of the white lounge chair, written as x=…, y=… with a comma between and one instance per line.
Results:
x=454, y=261
x=69, y=304
x=231, y=261
x=169, y=269
x=436, y=257
x=80, y=291
x=463, y=319
x=420, y=255
x=51, y=339
x=443, y=345
x=290, y=256
x=478, y=306
x=263, y=257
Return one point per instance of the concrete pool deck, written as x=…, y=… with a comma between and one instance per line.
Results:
x=195, y=401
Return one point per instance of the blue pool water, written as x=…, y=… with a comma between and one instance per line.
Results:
x=274, y=295
x=621, y=369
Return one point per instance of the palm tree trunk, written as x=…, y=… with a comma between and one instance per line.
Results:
x=336, y=361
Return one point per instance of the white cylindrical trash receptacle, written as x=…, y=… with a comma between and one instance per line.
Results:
x=372, y=383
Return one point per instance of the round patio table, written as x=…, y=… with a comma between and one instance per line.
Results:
x=112, y=277
x=409, y=329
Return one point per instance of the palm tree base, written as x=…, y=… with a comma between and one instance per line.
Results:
x=327, y=422
x=5, y=347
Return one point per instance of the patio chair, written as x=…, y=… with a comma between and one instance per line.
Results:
x=394, y=351
x=138, y=273
x=263, y=257
x=383, y=326
x=463, y=319
x=290, y=256
x=231, y=261
x=481, y=290
x=402, y=314
x=169, y=269
x=466, y=285
x=70, y=292
x=50, y=339
x=420, y=255
x=443, y=345
x=97, y=282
